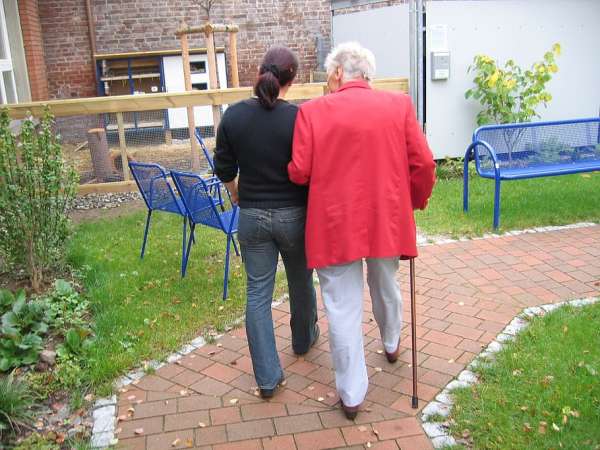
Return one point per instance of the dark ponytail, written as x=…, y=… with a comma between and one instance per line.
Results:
x=278, y=68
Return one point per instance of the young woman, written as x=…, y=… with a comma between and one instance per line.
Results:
x=255, y=138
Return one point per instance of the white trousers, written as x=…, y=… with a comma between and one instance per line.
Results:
x=342, y=291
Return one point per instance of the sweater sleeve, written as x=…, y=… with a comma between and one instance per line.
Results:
x=226, y=163
x=300, y=167
x=420, y=160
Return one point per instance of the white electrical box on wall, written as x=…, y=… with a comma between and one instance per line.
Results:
x=440, y=65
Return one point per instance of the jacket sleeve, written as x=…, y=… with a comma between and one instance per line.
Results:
x=300, y=167
x=226, y=164
x=420, y=160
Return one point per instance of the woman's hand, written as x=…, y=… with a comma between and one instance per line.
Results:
x=232, y=187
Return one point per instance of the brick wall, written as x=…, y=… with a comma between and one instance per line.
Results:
x=262, y=23
x=67, y=48
x=34, y=49
x=368, y=6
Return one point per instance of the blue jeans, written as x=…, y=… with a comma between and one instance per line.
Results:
x=263, y=235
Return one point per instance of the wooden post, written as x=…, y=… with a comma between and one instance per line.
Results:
x=235, y=78
x=100, y=155
x=213, y=80
x=123, y=146
x=185, y=56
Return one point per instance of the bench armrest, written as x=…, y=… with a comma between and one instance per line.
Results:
x=474, y=148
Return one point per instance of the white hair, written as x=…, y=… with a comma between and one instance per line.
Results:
x=354, y=59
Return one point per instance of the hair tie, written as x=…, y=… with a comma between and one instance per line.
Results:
x=271, y=68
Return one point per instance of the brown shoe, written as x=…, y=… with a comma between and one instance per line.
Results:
x=350, y=411
x=393, y=357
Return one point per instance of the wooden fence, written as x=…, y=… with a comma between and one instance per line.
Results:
x=162, y=101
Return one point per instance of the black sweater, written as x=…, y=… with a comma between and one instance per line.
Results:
x=258, y=142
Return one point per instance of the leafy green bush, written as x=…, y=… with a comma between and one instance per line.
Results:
x=36, y=190
x=15, y=404
x=66, y=307
x=21, y=330
x=451, y=168
x=511, y=94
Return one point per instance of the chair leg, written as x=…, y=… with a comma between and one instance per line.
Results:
x=226, y=275
x=497, y=204
x=235, y=247
x=466, y=184
x=186, y=255
x=183, y=239
x=148, y=217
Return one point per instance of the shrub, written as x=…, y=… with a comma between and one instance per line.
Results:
x=15, y=404
x=36, y=190
x=66, y=307
x=511, y=94
x=21, y=330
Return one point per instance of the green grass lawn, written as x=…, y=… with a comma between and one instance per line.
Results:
x=543, y=392
x=142, y=308
x=524, y=204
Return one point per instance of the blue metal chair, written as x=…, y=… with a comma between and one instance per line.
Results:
x=207, y=155
x=152, y=181
x=215, y=190
x=196, y=196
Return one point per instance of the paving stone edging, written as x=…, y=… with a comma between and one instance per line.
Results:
x=442, y=404
x=104, y=411
x=426, y=240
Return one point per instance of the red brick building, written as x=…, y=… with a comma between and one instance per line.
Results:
x=58, y=36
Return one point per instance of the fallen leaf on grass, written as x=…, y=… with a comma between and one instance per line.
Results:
x=526, y=427
x=542, y=427
x=466, y=433
x=524, y=408
x=555, y=427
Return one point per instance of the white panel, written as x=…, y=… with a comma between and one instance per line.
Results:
x=384, y=31
x=522, y=30
x=174, y=82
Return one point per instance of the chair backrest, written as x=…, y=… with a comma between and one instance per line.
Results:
x=542, y=143
x=196, y=197
x=207, y=154
x=153, y=184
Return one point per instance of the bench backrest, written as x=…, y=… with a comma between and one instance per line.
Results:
x=540, y=143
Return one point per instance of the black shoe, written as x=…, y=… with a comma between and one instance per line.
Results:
x=269, y=393
x=314, y=341
x=350, y=411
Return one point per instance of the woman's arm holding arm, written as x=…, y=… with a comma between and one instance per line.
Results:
x=300, y=167
x=226, y=164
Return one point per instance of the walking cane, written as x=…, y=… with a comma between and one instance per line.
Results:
x=413, y=325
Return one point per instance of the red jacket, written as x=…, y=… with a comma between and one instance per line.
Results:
x=368, y=166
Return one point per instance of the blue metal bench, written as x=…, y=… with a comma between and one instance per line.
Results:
x=531, y=150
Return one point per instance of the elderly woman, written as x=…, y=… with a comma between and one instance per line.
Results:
x=255, y=137
x=368, y=165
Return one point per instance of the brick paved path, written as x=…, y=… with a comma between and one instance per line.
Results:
x=467, y=292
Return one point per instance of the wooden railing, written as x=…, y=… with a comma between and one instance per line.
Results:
x=149, y=102
x=161, y=101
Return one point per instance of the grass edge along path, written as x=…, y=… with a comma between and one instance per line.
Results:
x=142, y=309
x=538, y=202
x=542, y=391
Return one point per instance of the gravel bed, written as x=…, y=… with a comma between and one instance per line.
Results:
x=104, y=201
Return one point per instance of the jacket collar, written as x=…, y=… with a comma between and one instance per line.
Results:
x=354, y=84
